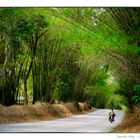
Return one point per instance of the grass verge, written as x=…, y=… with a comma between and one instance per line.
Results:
x=39, y=111
x=130, y=123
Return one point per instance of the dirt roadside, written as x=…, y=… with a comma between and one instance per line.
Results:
x=40, y=111
x=130, y=123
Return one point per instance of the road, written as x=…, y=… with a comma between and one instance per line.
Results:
x=92, y=122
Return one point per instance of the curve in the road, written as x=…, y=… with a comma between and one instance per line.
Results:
x=92, y=122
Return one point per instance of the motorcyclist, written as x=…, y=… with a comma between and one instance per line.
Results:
x=111, y=116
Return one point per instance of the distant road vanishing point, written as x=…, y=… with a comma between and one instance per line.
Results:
x=92, y=122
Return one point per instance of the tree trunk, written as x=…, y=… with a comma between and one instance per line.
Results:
x=25, y=92
x=35, y=90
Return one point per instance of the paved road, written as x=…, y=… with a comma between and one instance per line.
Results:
x=91, y=122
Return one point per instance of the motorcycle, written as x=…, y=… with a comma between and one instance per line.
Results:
x=112, y=119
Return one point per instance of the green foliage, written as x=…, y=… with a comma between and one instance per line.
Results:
x=117, y=102
x=136, y=99
x=63, y=86
x=63, y=91
x=26, y=27
x=137, y=87
x=70, y=54
x=95, y=96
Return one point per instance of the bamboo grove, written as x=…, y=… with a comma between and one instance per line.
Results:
x=70, y=54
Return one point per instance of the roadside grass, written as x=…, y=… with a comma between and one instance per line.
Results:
x=130, y=123
x=38, y=111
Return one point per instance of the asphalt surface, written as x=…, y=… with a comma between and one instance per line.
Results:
x=92, y=122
